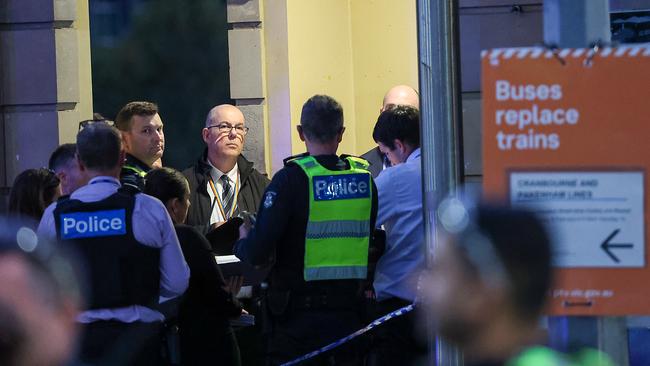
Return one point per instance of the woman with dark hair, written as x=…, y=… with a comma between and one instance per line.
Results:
x=33, y=190
x=205, y=333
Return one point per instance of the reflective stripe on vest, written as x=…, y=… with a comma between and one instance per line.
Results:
x=338, y=226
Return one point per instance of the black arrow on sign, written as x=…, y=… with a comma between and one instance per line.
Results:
x=606, y=246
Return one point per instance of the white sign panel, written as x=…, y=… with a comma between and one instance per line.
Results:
x=596, y=217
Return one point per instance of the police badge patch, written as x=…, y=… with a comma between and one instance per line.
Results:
x=268, y=199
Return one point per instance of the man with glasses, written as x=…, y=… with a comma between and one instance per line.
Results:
x=144, y=141
x=222, y=182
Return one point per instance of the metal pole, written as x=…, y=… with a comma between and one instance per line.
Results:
x=440, y=112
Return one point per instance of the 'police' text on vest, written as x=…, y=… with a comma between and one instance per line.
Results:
x=93, y=224
x=344, y=186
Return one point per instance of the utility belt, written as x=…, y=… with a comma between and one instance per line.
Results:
x=283, y=303
x=322, y=302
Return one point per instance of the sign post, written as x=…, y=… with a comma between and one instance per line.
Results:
x=566, y=134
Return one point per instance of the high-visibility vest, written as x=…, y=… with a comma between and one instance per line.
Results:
x=338, y=227
x=543, y=356
x=121, y=270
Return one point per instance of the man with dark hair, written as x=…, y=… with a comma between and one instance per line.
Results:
x=321, y=120
x=315, y=226
x=399, y=189
x=397, y=95
x=63, y=163
x=222, y=182
x=131, y=250
x=144, y=140
x=489, y=283
x=397, y=133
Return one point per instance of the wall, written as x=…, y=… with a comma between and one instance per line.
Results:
x=74, y=62
x=278, y=107
x=321, y=60
x=352, y=50
x=45, y=79
x=384, y=40
x=247, y=75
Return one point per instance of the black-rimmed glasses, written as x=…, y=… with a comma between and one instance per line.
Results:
x=227, y=127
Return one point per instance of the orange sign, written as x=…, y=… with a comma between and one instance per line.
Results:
x=567, y=134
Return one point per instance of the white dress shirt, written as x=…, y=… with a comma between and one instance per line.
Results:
x=152, y=227
x=233, y=177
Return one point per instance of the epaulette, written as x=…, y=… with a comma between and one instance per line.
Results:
x=294, y=157
x=361, y=162
x=343, y=156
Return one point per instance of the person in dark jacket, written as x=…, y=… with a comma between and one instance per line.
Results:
x=144, y=141
x=222, y=182
x=222, y=185
x=206, y=337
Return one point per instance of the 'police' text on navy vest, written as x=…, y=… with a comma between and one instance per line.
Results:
x=339, y=187
x=92, y=224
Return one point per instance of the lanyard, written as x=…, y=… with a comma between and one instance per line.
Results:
x=218, y=198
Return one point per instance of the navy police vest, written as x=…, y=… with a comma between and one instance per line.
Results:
x=122, y=272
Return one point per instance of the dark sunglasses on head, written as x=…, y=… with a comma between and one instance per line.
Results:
x=88, y=122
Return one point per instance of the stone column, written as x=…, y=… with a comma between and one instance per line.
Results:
x=44, y=80
x=247, y=87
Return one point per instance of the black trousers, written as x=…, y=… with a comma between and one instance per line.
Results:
x=302, y=332
x=208, y=345
x=397, y=341
x=117, y=343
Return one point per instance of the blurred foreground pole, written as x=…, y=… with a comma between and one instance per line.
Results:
x=574, y=24
x=440, y=114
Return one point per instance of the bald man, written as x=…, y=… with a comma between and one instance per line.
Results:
x=222, y=182
x=397, y=95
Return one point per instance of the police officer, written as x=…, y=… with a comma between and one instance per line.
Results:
x=131, y=252
x=144, y=141
x=314, y=224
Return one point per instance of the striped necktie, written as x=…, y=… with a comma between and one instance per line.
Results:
x=226, y=196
